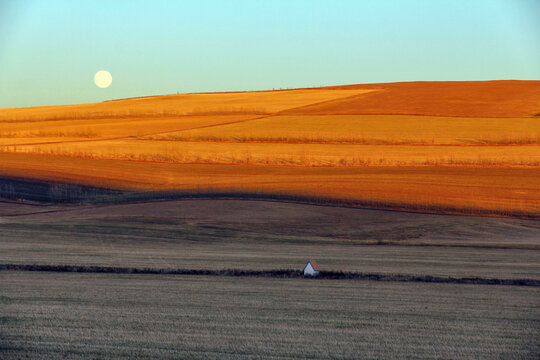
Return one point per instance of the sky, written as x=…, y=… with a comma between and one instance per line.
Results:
x=51, y=49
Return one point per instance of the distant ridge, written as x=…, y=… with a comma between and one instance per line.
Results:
x=494, y=98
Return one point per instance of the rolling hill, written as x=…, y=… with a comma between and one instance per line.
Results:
x=465, y=147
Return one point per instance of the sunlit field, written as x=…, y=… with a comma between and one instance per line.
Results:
x=371, y=129
x=277, y=141
x=257, y=102
x=209, y=152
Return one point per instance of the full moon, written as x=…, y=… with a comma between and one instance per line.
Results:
x=103, y=79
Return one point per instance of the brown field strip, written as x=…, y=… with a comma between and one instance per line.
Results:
x=481, y=189
x=503, y=98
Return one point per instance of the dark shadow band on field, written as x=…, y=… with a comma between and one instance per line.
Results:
x=45, y=192
x=331, y=275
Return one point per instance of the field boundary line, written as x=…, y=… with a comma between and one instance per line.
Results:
x=275, y=273
x=203, y=127
x=350, y=97
x=135, y=137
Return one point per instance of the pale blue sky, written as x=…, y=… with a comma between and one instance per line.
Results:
x=51, y=49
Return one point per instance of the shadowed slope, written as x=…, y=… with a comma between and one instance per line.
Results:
x=218, y=234
x=480, y=190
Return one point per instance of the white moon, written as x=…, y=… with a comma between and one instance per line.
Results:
x=103, y=79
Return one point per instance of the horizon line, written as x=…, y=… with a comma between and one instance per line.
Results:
x=275, y=89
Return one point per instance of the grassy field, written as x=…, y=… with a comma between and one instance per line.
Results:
x=409, y=134
x=83, y=316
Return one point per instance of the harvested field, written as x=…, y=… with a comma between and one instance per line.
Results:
x=19, y=132
x=359, y=221
x=288, y=154
x=408, y=134
x=262, y=235
x=370, y=130
x=502, y=98
x=209, y=104
x=81, y=315
x=163, y=316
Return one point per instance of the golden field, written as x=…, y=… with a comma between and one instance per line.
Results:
x=370, y=129
x=382, y=143
x=297, y=154
x=257, y=102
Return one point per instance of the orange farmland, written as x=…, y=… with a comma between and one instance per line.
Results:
x=435, y=146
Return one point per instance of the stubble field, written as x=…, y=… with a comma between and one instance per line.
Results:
x=82, y=316
x=262, y=235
